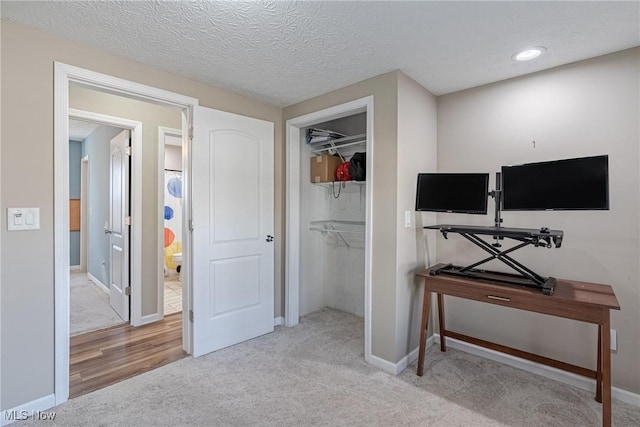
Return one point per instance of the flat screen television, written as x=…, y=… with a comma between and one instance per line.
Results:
x=453, y=192
x=569, y=184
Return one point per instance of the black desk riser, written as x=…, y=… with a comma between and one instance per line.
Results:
x=542, y=237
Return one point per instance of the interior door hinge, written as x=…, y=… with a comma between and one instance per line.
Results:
x=190, y=133
x=190, y=225
x=127, y=290
x=191, y=316
x=127, y=220
x=127, y=151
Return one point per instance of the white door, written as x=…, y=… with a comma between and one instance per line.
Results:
x=118, y=229
x=232, y=202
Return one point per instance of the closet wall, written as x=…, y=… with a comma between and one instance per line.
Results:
x=332, y=224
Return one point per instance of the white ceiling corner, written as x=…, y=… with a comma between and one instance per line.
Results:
x=283, y=52
x=79, y=129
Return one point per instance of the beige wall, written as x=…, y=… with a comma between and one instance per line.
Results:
x=26, y=177
x=173, y=157
x=384, y=88
x=582, y=109
x=151, y=116
x=415, y=249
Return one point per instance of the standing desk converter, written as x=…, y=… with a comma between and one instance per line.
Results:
x=586, y=302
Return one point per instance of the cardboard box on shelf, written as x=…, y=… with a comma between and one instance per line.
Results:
x=323, y=168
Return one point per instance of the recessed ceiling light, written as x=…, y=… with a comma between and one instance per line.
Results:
x=530, y=53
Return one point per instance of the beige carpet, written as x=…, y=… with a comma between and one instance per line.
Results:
x=89, y=306
x=314, y=374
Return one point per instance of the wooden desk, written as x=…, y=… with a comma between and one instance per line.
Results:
x=587, y=302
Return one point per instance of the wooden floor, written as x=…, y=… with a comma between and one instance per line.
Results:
x=101, y=358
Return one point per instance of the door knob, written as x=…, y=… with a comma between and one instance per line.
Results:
x=269, y=238
x=107, y=231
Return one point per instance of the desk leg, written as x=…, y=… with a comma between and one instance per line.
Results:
x=599, y=367
x=443, y=341
x=423, y=332
x=606, y=369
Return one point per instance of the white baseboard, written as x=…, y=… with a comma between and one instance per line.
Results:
x=149, y=318
x=396, y=368
x=98, y=282
x=277, y=321
x=27, y=409
x=75, y=268
x=537, y=368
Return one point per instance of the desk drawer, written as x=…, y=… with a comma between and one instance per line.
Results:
x=499, y=297
x=520, y=298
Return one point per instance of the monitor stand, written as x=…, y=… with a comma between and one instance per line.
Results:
x=526, y=277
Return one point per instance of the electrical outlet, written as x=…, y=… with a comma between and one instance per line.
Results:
x=614, y=340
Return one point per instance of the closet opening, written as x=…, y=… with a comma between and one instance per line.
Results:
x=329, y=192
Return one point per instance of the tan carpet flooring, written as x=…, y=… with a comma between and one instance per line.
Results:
x=314, y=374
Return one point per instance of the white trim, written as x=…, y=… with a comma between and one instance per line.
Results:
x=63, y=75
x=539, y=369
x=150, y=318
x=401, y=365
x=60, y=238
x=101, y=285
x=292, y=248
x=84, y=213
x=75, y=268
x=41, y=404
x=277, y=321
x=187, y=214
x=162, y=133
x=135, y=272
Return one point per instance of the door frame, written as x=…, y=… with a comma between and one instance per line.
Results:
x=162, y=132
x=65, y=74
x=84, y=213
x=135, y=203
x=292, y=249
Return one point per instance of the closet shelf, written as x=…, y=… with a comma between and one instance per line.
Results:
x=337, y=144
x=339, y=228
x=332, y=183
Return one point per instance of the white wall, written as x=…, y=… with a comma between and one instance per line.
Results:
x=582, y=109
x=331, y=274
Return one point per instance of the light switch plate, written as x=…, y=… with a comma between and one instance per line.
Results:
x=407, y=219
x=23, y=219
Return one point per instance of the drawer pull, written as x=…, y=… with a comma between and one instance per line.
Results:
x=499, y=298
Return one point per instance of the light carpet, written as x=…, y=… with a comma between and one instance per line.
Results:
x=314, y=374
x=89, y=306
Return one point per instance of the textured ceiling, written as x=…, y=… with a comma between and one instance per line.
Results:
x=284, y=52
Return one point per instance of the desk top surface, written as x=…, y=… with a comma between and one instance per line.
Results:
x=570, y=291
x=495, y=231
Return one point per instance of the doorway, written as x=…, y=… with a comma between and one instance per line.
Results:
x=100, y=296
x=295, y=214
x=222, y=247
x=64, y=76
x=92, y=263
x=171, y=221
